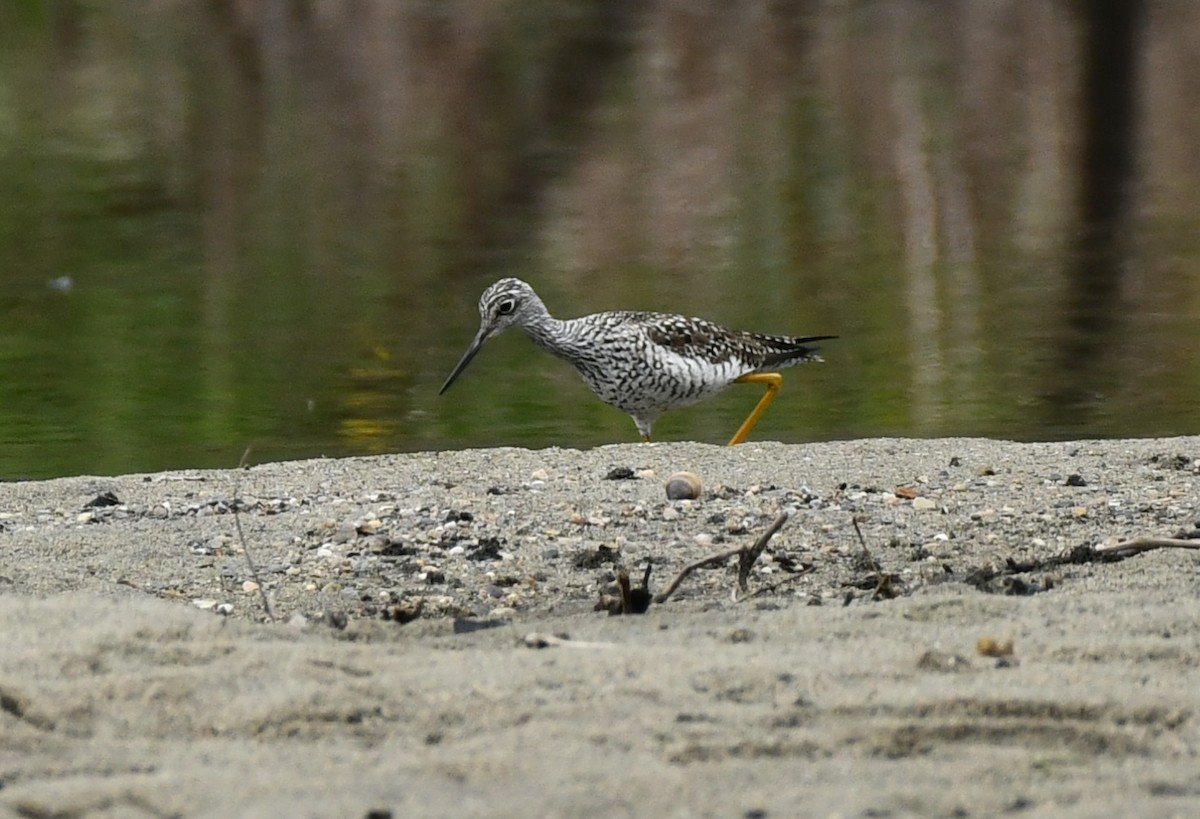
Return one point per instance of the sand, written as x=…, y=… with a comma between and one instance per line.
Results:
x=141, y=676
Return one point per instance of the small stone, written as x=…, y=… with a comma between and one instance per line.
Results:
x=539, y=475
x=923, y=504
x=683, y=486
x=1076, y=479
x=370, y=527
x=103, y=499
x=670, y=513
x=376, y=543
x=204, y=604
x=249, y=586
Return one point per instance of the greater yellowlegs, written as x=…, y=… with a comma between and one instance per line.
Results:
x=643, y=363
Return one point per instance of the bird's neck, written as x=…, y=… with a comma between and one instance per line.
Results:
x=553, y=335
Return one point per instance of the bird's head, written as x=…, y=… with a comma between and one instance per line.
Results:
x=505, y=303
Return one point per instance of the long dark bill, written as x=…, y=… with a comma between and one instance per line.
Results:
x=465, y=360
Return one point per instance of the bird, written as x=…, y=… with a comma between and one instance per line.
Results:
x=643, y=363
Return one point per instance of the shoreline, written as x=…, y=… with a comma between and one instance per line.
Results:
x=122, y=692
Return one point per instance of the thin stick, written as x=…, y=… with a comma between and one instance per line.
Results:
x=863, y=542
x=237, y=521
x=747, y=558
x=537, y=639
x=1144, y=543
x=626, y=591
x=883, y=583
x=789, y=578
x=662, y=596
x=746, y=555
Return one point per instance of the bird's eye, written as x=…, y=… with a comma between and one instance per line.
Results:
x=505, y=307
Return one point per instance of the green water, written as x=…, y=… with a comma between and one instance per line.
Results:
x=220, y=233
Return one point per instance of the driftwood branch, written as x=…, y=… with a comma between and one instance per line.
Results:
x=1144, y=543
x=746, y=555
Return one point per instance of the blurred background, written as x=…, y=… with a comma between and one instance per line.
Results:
x=266, y=223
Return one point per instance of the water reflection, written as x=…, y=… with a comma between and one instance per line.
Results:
x=1094, y=323
x=276, y=218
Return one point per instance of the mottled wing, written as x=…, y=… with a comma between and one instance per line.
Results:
x=703, y=340
x=688, y=337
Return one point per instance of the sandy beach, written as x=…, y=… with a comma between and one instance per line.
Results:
x=417, y=635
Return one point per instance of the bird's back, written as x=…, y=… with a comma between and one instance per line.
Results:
x=645, y=363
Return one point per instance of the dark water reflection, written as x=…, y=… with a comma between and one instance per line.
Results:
x=228, y=225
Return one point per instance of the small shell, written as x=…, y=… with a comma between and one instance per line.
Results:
x=991, y=647
x=683, y=486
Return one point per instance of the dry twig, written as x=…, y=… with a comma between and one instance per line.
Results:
x=237, y=522
x=883, y=580
x=746, y=555
x=537, y=639
x=1144, y=543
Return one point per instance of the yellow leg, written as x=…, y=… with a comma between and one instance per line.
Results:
x=645, y=439
x=772, y=380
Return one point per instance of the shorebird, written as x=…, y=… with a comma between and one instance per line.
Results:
x=643, y=363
